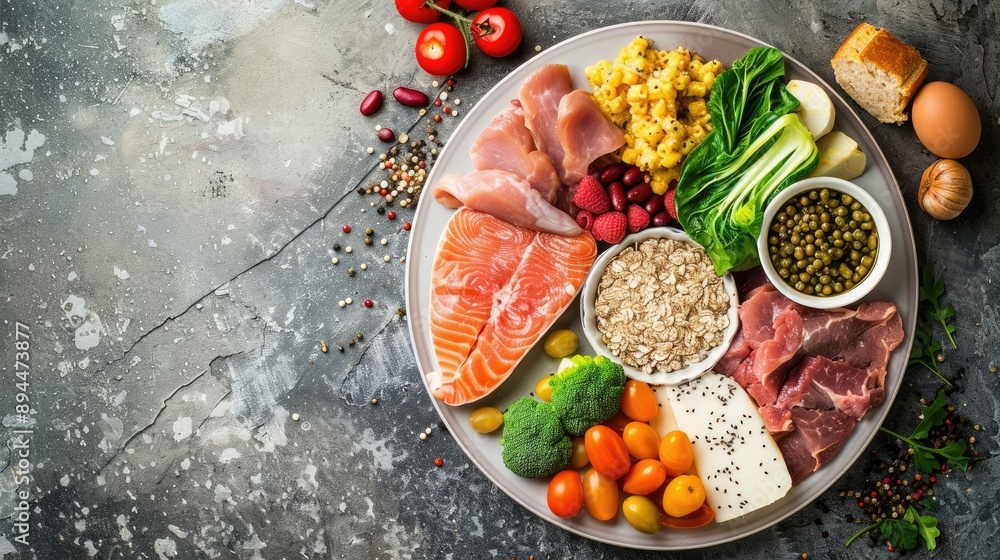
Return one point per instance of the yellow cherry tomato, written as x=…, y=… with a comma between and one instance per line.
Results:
x=600, y=495
x=579, y=458
x=685, y=494
x=543, y=390
x=486, y=419
x=642, y=514
x=644, y=477
x=638, y=401
x=561, y=343
x=676, y=453
x=641, y=440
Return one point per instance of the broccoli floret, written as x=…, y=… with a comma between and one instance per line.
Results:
x=588, y=393
x=534, y=442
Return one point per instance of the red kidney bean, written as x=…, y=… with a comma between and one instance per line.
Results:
x=616, y=192
x=633, y=176
x=410, y=97
x=661, y=218
x=654, y=204
x=386, y=134
x=612, y=172
x=639, y=193
x=371, y=103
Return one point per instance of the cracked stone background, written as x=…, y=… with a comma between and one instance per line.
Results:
x=173, y=176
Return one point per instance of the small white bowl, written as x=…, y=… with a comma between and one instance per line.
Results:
x=593, y=334
x=879, y=267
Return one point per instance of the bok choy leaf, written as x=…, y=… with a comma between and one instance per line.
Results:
x=757, y=148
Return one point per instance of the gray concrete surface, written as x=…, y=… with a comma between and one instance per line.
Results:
x=173, y=175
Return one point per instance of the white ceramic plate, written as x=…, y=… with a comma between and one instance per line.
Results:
x=899, y=286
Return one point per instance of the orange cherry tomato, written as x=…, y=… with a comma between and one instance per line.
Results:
x=638, y=401
x=607, y=452
x=600, y=495
x=685, y=494
x=644, y=477
x=641, y=440
x=565, y=494
x=676, y=453
x=579, y=458
x=617, y=422
x=699, y=518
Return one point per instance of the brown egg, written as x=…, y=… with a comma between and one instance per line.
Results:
x=946, y=120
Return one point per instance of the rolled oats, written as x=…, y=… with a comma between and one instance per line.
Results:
x=661, y=306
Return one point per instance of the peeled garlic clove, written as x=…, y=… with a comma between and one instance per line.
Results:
x=945, y=189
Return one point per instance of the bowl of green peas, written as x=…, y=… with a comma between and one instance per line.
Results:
x=824, y=242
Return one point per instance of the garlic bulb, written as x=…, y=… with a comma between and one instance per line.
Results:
x=945, y=189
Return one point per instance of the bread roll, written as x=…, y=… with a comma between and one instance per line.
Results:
x=880, y=72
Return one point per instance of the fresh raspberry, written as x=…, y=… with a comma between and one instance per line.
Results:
x=668, y=203
x=585, y=219
x=610, y=227
x=591, y=196
x=638, y=218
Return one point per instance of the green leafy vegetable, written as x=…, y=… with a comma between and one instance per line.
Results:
x=925, y=352
x=900, y=533
x=757, y=148
x=930, y=294
x=903, y=533
x=933, y=415
x=927, y=459
x=926, y=526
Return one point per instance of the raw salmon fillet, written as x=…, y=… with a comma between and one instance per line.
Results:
x=496, y=288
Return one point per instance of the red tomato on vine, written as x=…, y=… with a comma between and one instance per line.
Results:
x=497, y=31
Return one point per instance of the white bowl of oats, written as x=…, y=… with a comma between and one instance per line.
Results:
x=655, y=304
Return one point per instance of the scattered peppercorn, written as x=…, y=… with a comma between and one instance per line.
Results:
x=438, y=462
x=368, y=303
x=391, y=215
x=336, y=246
x=345, y=228
x=369, y=232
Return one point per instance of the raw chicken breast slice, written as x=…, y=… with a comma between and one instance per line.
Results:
x=539, y=96
x=506, y=196
x=585, y=134
x=506, y=144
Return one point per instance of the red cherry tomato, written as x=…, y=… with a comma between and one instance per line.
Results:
x=417, y=12
x=565, y=494
x=476, y=5
x=441, y=49
x=497, y=31
x=607, y=452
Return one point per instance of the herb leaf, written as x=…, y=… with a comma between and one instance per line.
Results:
x=926, y=526
x=925, y=352
x=925, y=457
x=859, y=533
x=933, y=416
x=900, y=533
x=930, y=292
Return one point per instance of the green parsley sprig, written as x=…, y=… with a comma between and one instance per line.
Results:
x=903, y=533
x=930, y=294
x=926, y=458
x=926, y=350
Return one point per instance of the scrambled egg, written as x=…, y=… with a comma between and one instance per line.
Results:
x=660, y=99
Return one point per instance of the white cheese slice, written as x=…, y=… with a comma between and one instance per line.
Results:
x=839, y=156
x=737, y=459
x=815, y=108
